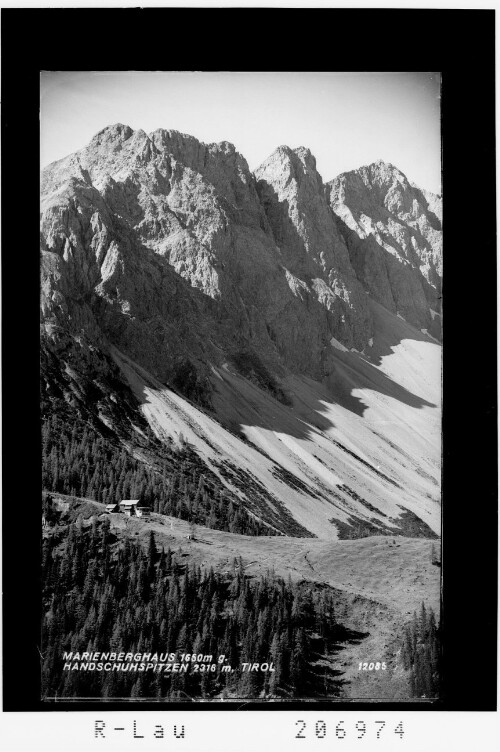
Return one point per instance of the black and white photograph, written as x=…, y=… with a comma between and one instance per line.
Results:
x=241, y=385
x=249, y=385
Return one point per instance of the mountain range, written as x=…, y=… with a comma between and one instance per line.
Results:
x=285, y=329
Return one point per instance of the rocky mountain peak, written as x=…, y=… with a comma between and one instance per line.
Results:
x=218, y=163
x=386, y=177
x=194, y=153
x=286, y=164
x=172, y=247
x=377, y=179
x=394, y=239
x=293, y=195
x=112, y=134
x=306, y=157
x=386, y=169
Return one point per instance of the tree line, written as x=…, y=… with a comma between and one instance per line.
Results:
x=103, y=593
x=78, y=461
x=421, y=653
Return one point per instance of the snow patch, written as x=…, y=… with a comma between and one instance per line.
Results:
x=370, y=342
x=338, y=345
x=301, y=441
x=105, y=420
x=296, y=285
x=310, y=460
x=434, y=314
x=424, y=331
x=216, y=372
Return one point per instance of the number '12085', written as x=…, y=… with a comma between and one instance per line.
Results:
x=371, y=666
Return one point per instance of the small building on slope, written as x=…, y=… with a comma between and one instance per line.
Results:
x=112, y=508
x=134, y=508
x=129, y=507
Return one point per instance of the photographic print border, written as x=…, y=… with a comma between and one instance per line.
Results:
x=469, y=356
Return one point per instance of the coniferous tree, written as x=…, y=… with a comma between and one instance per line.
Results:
x=141, y=598
x=79, y=462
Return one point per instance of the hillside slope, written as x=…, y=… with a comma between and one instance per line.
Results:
x=377, y=583
x=367, y=457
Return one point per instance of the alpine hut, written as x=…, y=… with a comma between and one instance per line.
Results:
x=129, y=507
x=112, y=508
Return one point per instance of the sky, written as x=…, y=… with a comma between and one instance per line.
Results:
x=346, y=119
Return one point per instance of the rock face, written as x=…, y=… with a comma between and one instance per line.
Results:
x=394, y=235
x=166, y=262
x=177, y=254
x=313, y=251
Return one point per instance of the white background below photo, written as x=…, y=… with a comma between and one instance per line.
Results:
x=349, y=731
x=281, y=729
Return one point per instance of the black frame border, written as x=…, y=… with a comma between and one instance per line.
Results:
x=458, y=43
